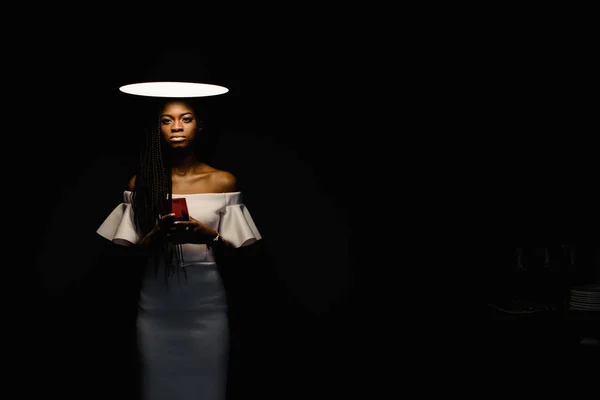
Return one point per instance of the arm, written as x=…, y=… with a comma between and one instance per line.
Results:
x=155, y=235
x=131, y=184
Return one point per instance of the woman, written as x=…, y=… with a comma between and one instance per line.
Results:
x=182, y=323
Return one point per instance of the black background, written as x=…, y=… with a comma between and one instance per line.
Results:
x=290, y=128
x=429, y=135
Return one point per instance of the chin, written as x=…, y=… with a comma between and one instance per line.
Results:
x=181, y=149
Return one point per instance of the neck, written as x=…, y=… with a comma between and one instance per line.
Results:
x=183, y=162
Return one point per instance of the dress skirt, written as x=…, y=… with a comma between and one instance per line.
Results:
x=182, y=334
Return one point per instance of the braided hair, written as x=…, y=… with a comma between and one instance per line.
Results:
x=152, y=192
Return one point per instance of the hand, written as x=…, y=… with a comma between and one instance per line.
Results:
x=190, y=231
x=164, y=226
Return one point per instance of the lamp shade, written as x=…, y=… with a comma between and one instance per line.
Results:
x=173, y=89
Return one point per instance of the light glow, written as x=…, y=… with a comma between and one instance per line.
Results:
x=173, y=89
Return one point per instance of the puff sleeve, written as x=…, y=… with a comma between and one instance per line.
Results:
x=119, y=226
x=237, y=226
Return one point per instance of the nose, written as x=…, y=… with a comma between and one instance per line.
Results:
x=177, y=126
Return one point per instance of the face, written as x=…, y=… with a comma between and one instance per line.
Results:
x=179, y=125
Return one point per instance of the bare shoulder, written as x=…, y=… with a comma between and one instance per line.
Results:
x=223, y=181
x=131, y=183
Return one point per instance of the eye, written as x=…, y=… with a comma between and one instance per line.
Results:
x=165, y=121
x=187, y=119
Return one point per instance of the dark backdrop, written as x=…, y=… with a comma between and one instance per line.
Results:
x=489, y=121
x=290, y=128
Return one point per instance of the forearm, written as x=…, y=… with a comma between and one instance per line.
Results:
x=150, y=240
x=148, y=244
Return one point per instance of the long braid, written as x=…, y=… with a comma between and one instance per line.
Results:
x=151, y=199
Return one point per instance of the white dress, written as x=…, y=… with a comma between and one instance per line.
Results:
x=182, y=327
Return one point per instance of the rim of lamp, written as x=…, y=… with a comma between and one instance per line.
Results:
x=173, y=89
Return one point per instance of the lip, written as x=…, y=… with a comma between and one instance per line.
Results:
x=177, y=138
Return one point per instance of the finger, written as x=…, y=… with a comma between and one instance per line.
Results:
x=182, y=225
